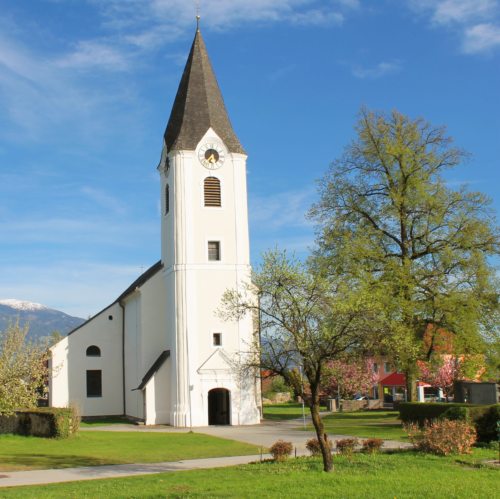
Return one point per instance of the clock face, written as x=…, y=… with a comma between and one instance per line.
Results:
x=211, y=156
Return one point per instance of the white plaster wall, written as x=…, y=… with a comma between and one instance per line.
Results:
x=58, y=374
x=69, y=383
x=133, y=357
x=154, y=341
x=153, y=318
x=198, y=283
x=158, y=397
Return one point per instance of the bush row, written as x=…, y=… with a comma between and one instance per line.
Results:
x=48, y=422
x=483, y=417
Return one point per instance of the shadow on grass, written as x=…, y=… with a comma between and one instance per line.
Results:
x=97, y=421
x=44, y=461
x=354, y=416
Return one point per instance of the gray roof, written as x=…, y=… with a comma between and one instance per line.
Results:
x=153, y=369
x=199, y=105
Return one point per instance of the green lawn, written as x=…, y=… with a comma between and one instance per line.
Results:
x=92, y=448
x=400, y=475
x=104, y=422
x=369, y=424
x=364, y=424
x=280, y=412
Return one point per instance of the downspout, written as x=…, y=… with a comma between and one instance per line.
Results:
x=123, y=358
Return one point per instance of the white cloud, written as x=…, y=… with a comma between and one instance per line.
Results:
x=40, y=94
x=476, y=22
x=317, y=17
x=142, y=16
x=481, y=38
x=462, y=11
x=381, y=69
x=45, y=96
x=281, y=210
x=104, y=200
x=93, y=53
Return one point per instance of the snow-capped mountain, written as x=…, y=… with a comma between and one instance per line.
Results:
x=42, y=320
x=23, y=305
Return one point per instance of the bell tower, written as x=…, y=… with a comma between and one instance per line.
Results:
x=204, y=251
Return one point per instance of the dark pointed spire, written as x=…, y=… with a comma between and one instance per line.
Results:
x=199, y=105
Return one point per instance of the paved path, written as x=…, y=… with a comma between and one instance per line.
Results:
x=36, y=477
x=263, y=435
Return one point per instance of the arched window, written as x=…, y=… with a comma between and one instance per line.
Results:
x=93, y=351
x=211, y=187
x=167, y=199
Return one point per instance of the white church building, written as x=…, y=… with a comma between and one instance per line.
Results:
x=160, y=353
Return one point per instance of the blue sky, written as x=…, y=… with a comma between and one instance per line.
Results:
x=86, y=88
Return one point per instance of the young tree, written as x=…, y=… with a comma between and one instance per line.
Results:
x=440, y=372
x=393, y=228
x=304, y=324
x=348, y=377
x=23, y=370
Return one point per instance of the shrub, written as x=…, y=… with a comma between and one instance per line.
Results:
x=48, y=422
x=312, y=445
x=483, y=417
x=486, y=423
x=442, y=437
x=372, y=445
x=280, y=450
x=421, y=412
x=456, y=413
x=346, y=445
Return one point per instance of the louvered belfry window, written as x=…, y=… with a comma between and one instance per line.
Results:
x=212, y=191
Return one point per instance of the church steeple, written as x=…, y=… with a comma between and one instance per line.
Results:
x=199, y=105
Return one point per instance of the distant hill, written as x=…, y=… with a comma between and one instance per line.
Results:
x=42, y=320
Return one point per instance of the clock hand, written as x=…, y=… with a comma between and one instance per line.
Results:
x=211, y=159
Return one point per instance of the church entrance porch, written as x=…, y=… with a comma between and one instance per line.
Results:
x=219, y=406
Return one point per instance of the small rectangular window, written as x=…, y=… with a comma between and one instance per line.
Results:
x=375, y=367
x=94, y=383
x=217, y=339
x=387, y=367
x=214, y=251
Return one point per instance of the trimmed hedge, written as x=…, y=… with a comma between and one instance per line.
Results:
x=48, y=422
x=484, y=417
x=420, y=412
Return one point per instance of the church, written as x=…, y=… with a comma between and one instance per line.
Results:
x=159, y=353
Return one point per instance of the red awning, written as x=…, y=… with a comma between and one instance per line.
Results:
x=394, y=379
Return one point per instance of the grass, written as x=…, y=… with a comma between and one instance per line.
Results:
x=369, y=424
x=93, y=448
x=364, y=424
x=400, y=475
x=112, y=420
x=281, y=412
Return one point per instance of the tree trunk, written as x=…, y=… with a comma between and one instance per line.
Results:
x=411, y=386
x=326, y=451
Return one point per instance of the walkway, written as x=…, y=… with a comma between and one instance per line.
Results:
x=37, y=477
x=263, y=435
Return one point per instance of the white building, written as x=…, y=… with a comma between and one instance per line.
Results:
x=160, y=353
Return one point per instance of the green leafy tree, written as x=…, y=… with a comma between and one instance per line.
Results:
x=23, y=370
x=304, y=324
x=391, y=226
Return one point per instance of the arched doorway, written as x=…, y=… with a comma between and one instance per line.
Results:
x=219, y=406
